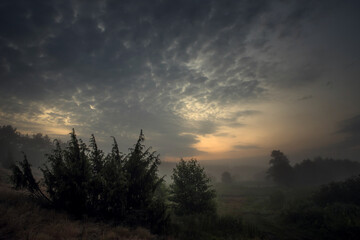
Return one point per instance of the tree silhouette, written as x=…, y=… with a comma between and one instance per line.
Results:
x=141, y=167
x=280, y=170
x=226, y=177
x=119, y=187
x=24, y=179
x=191, y=191
x=68, y=178
x=13, y=143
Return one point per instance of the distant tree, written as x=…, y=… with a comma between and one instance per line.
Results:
x=9, y=140
x=191, y=191
x=36, y=147
x=13, y=141
x=280, y=170
x=226, y=177
x=324, y=170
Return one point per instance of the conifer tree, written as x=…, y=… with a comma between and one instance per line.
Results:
x=118, y=187
x=67, y=180
x=115, y=184
x=141, y=166
x=24, y=179
x=96, y=186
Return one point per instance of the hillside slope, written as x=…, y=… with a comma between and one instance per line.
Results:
x=22, y=218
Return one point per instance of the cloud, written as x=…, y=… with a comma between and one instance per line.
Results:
x=351, y=128
x=246, y=147
x=306, y=97
x=174, y=69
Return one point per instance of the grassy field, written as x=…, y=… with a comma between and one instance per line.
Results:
x=247, y=210
x=22, y=218
x=240, y=198
x=260, y=205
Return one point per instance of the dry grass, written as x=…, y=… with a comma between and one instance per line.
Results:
x=230, y=205
x=22, y=218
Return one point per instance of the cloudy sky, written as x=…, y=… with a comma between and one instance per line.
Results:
x=206, y=79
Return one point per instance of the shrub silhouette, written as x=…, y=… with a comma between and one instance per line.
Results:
x=347, y=192
x=24, y=179
x=191, y=191
x=83, y=180
x=68, y=179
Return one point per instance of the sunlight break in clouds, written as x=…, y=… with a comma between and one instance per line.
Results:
x=210, y=79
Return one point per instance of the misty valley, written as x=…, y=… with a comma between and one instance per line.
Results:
x=250, y=111
x=73, y=190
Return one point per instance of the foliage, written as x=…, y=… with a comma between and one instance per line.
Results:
x=83, y=180
x=191, y=191
x=332, y=213
x=280, y=170
x=22, y=218
x=324, y=170
x=347, y=192
x=141, y=166
x=24, y=179
x=335, y=221
x=110, y=184
x=68, y=178
x=309, y=172
x=12, y=143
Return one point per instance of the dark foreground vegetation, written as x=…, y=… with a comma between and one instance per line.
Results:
x=23, y=217
x=125, y=190
x=84, y=193
x=83, y=181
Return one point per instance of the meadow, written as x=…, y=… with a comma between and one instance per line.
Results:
x=329, y=211
x=245, y=210
x=257, y=203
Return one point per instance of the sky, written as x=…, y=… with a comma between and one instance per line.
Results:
x=214, y=80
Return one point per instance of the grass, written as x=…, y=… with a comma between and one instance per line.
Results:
x=246, y=211
x=240, y=198
x=259, y=205
x=23, y=218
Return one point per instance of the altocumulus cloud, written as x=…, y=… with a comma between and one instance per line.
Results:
x=172, y=68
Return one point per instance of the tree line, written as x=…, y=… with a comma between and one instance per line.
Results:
x=309, y=172
x=122, y=188
x=12, y=143
x=126, y=189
